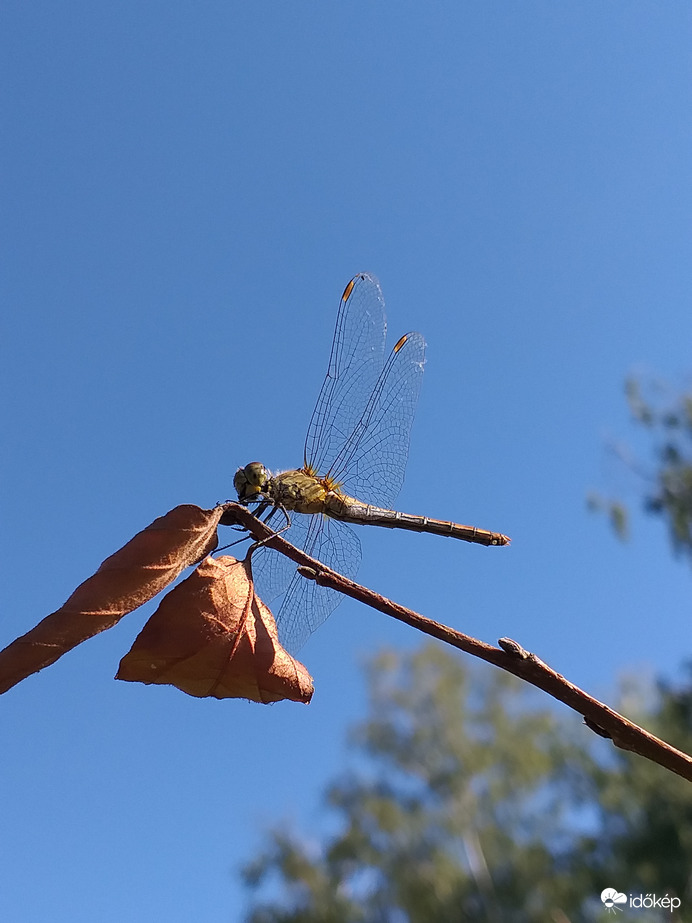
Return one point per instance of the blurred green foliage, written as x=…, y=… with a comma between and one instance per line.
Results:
x=473, y=802
x=667, y=482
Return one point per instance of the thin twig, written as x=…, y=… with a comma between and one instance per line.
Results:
x=510, y=656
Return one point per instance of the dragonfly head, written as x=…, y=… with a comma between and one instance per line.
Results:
x=251, y=482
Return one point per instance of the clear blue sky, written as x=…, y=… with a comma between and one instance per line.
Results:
x=186, y=189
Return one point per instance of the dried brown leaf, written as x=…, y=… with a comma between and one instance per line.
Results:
x=212, y=636
x=125, y=580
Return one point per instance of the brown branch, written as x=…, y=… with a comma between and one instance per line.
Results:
x=510, y=656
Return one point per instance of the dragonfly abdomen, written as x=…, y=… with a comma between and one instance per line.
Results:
x=348, y=509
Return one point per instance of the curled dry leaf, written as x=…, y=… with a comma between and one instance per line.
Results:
x=125, y=580
x=212, y=636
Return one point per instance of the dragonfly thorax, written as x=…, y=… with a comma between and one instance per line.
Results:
x=296, y=489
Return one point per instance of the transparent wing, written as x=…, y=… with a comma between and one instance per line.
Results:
x=372, y=462
x=306, y=605
x=354, y=366
x=359, y=435
x=272, y=572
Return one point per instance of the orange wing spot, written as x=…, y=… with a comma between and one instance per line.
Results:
x=401, y=343
x=349, y=288
x=308, y=469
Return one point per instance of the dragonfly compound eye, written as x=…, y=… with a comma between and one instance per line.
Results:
x=250, y=481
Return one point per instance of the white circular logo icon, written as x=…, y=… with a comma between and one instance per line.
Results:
x=611, y=897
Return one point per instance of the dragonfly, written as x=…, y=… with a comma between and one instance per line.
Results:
x=354, y=462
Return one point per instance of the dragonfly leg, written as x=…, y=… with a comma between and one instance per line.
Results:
x=260, y=512
x=274, y=507
x=244, y=538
